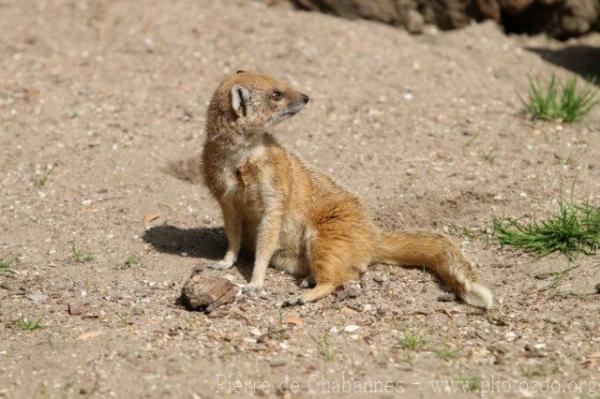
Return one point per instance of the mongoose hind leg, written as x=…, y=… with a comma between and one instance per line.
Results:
x=292, y=263
x=335, y=260
x=308, y=282
x=320, y=291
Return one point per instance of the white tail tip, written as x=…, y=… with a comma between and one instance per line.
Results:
x=478, y=295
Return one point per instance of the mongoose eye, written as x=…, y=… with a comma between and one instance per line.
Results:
x=276, y=95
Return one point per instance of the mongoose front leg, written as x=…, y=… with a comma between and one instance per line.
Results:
x=266, y=244
x=233, y=231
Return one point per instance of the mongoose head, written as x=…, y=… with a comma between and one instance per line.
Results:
x=253, y=103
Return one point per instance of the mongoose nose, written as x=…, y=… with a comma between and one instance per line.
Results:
x=304, y=97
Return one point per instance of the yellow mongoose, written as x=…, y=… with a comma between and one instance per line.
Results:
x=297, y=219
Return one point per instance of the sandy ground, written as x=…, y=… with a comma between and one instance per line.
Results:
x=111, y=97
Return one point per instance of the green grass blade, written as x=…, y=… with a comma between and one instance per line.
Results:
x=558, y=101
x=573, y=230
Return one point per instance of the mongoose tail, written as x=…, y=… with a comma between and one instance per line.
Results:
x=439, y=255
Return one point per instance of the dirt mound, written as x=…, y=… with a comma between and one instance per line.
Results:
x=559, y=18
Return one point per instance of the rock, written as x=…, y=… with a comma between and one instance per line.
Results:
x=515, y=6
x=255, y=331
x=588, y=326
x=351, y=289
x=74, y=308
x=414, y=21
x=205, y=292
x=378, y=10
x=150, y=217
x=446, y=298
x=277, y=363
x=295, y=320
x=559, y=18
x=597, y=288
x=534, y=350
x=351, y=328
x=499, y=348
x=381, y=279
x=88, y=335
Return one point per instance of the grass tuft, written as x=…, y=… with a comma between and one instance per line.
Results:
x=123, y=319
x=412, y=340
x=81, y=256
x=539, y=370
x=279, y=330
x=574, y=229
x=28, y=325
x=472, y=384
x=447, y=353
x=326, y=347
x=559, y=276
x=458, y=231
x=42, y=179
x=6, y=264
x=558, y=101
x=132, y=262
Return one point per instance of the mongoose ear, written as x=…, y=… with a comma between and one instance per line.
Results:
x=239, y=99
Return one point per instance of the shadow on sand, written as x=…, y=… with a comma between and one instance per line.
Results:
x=207, y=243
x=581, y=59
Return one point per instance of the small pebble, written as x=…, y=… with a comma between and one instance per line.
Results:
x=351, y=290
x=381, y=278
x=446, y=298
x=351, y=328
x=277, y=363
x=74, y=308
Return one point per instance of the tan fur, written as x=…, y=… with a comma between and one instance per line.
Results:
x=297, y=219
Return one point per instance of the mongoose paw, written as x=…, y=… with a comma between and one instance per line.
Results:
x=252, y=289
x=293, y=301
x=307, y=282
x=221, y=265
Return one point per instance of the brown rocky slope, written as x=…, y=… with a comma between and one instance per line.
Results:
x=558, y=18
